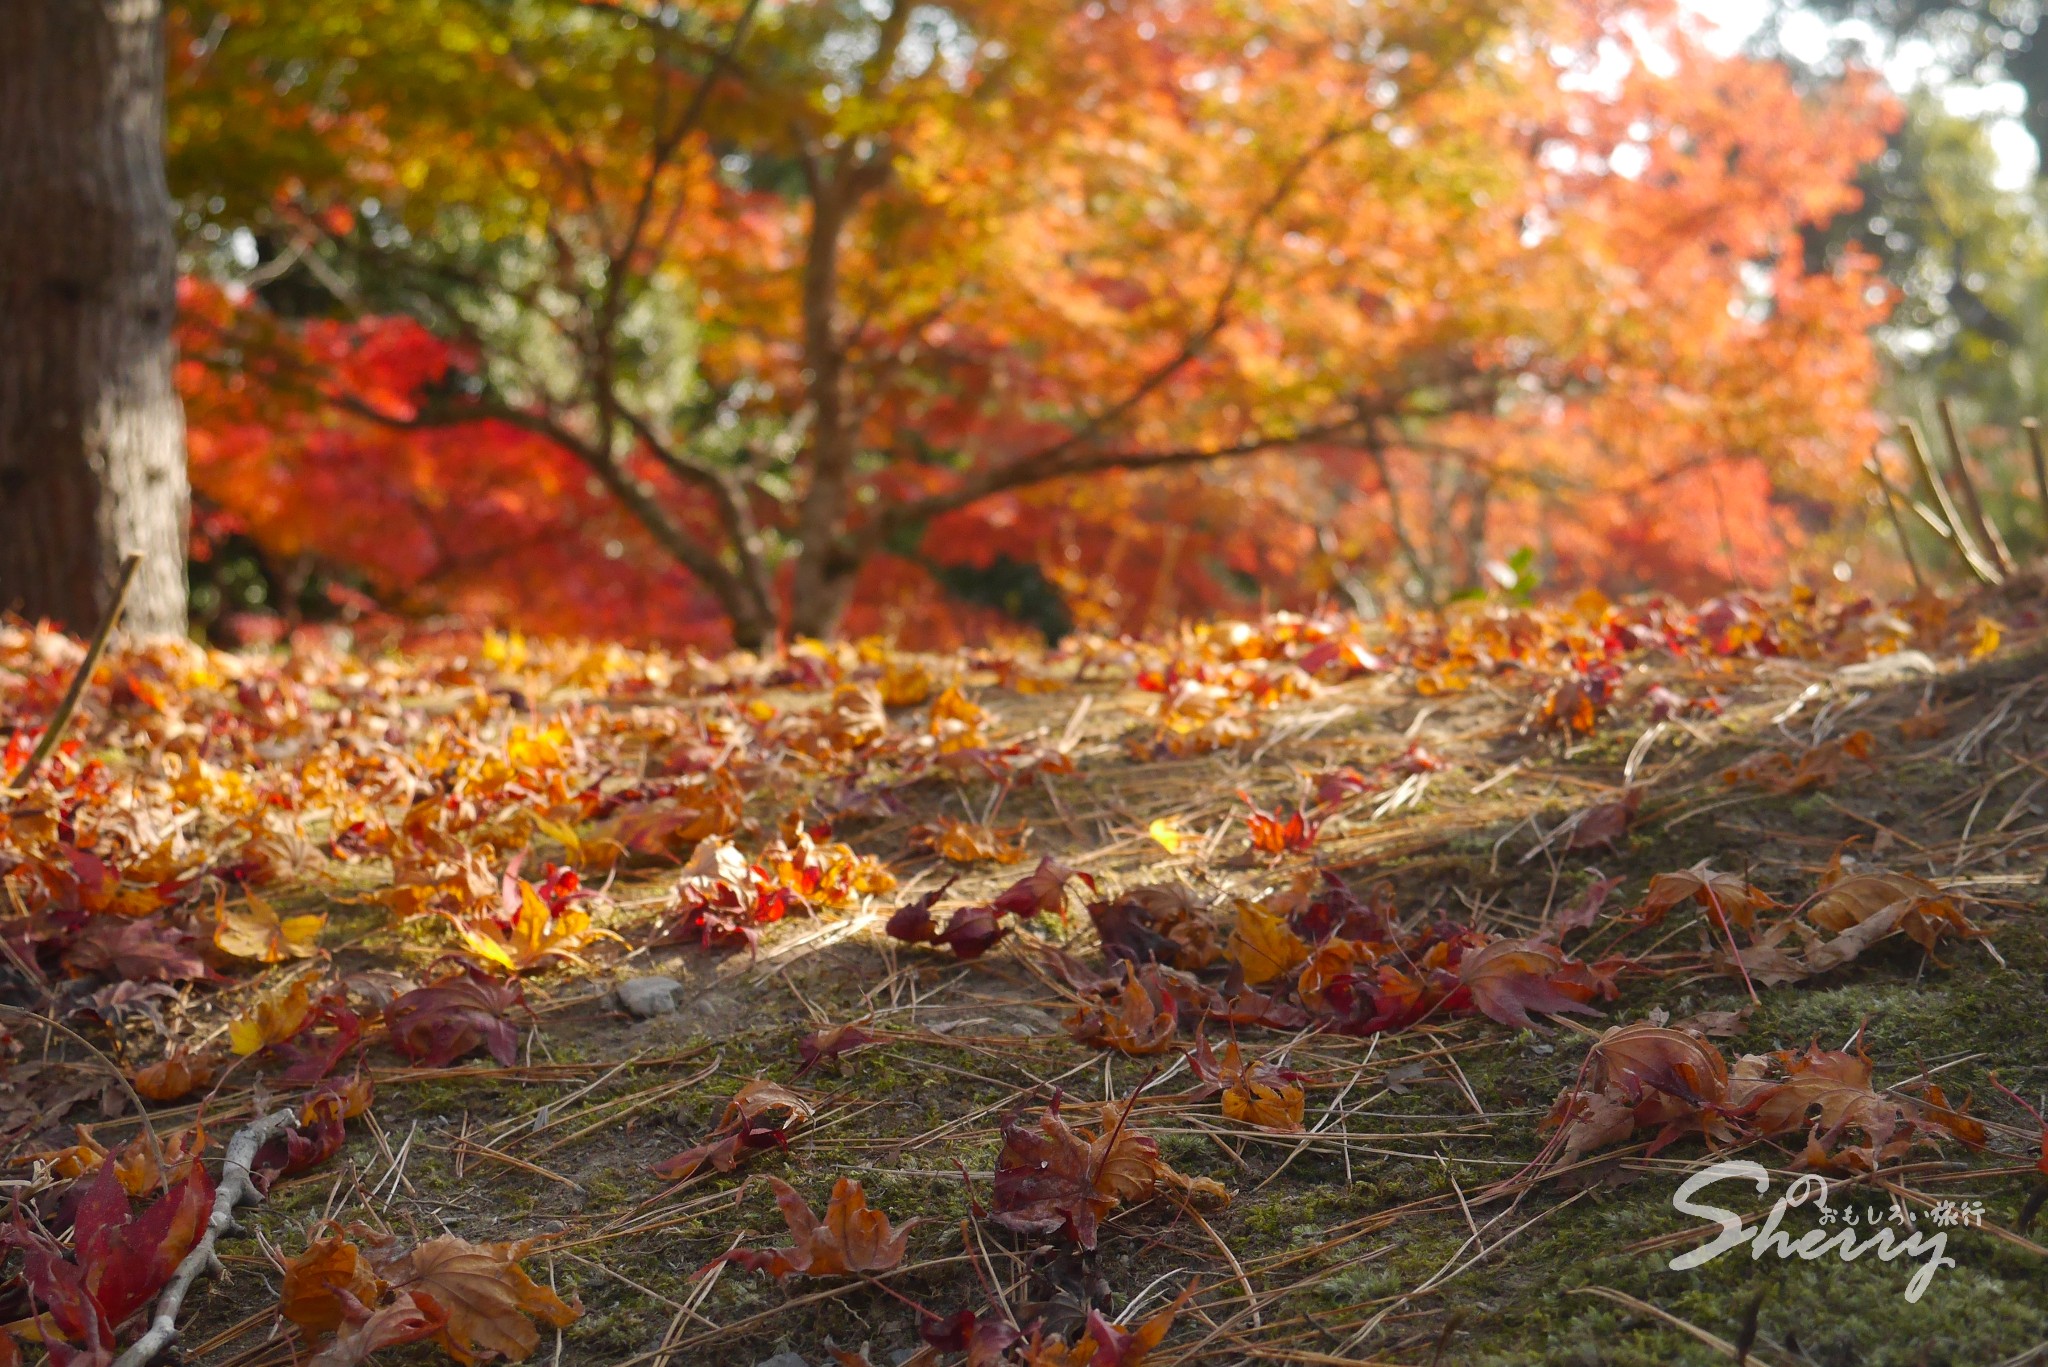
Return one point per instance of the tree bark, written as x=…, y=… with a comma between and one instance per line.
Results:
x=92, y=436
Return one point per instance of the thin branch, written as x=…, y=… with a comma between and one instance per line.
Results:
x=68, y=705
x=1018, y=475
x=1958, y=537
x=236, y=1188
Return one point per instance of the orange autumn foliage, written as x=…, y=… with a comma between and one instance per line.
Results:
x=1139, y=306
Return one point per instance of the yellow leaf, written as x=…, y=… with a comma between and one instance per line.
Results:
x=1263, y=944
x=1167, y=833
x=1987, y=638
x=905, y=684
x=1269, y=1107
x=256, y=932
x=270, y=1020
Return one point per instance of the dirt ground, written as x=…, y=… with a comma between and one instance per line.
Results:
x=1406, y=1224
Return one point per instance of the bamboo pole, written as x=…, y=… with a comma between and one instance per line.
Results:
x=1988, y=534
x=1916, y=447
x=1891, y=508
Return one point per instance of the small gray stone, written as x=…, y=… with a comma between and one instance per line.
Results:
x=783, y=1360
x=648, y=997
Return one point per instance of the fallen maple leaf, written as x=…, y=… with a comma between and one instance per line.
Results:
x=255, y=931
x=406, y=1318
x=175, y=1077
x=1781, y=1093
x=140, y=950
x=319, y=1283
x=957, y=724
x=436, y=1024
x=1040, y=892
x=852, y=1238
x=486, y=1296
x=118, y=1261
x=966, y=842
x=532, y=933
x=1254, y=1092
x=1275, y=834
x=1725, y=897
x=272, y=1019
x=1815, y=767
x=1849, y=900
x=1156, y=924
x=740, y=1130
x=1605, y=823
x=1052, y=1178
x=1584, y=913
x=1510, y=978
x=1115, y=1345
x=1262, y=945
x=970, y=932
x=1136, y=1021
x=833, y=1042
x=1644, y=1076
x=660, y=827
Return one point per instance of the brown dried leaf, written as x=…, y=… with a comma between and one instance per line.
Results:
x=852, y=1238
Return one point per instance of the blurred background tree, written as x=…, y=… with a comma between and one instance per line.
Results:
x=1954, y=209
x=715, y=322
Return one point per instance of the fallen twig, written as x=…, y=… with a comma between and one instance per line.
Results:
x=61, y=718
x=236, y=1188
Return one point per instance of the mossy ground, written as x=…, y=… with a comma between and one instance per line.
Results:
x=1337, y=1241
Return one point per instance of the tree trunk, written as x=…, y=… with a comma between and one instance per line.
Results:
x=92, y=437
x=819, y=597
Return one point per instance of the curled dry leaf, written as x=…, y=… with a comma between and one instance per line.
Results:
x=1604, y=824
x=1725, y=896
x=1644, y=1077
x=486, y=1296
x=741, y=1130
x=1510, y=978
x=1276, y=833
x=834, y=1042
x=1830, y=1091
x=969, y=932
x=329, y=1282
x=1041, y=892
x=1584, y=913
x=1254, y=1092
x=1156, y=923
x=967, y=842
x=1053, y=1178
x=175, y=1077
x=1814, y=767
x=852, y=1238
x=1846, y=901
x=404, y=1319
x=1138, y=1020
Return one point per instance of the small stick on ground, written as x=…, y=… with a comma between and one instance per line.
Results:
x=236, y=1188
x=61, y=718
